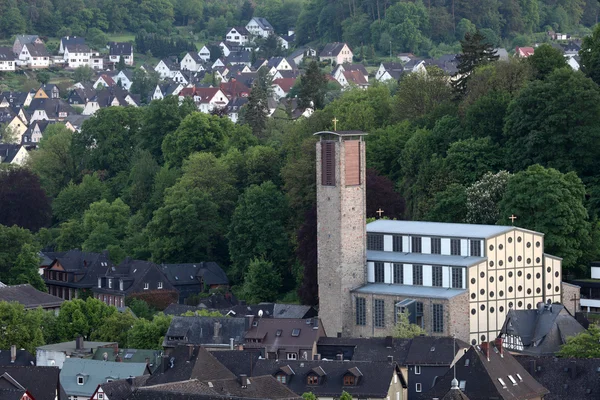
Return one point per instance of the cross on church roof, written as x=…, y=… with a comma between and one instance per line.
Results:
x=335, y=121
x=379, y=212
x=512, y=218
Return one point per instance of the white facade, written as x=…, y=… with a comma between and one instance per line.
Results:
x=75, y=59
x=7, y=65
x=163, y=70
x=125, y=81
x=255, y=28
x=204, y=53
x=235, y=36
x=188, y=62
x=27, y=60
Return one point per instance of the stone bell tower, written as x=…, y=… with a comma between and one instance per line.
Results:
x=341, y=226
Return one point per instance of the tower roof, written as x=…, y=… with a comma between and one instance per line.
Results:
x=341, y=133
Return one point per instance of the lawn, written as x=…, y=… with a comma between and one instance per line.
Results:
x=121, y=37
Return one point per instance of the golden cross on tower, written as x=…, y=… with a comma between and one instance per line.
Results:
x=379, y=212
x=512, y=218
x=335, y=121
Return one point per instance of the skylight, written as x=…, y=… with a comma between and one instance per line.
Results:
x=462, y=385
x=519, y=376
x=129, y=355
x=502, y=383
x=467, y=362
x=296, y=332
x=278, y=333
x=514, y=382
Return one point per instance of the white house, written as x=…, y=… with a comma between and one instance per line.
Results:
x=238, y=34
x=34, y=55
x=192, y=62
x=389, y=71
x=14, y=154
x=259, y=26
x=7, y=59
x=337, y=53
x=77, y=55
x=126, y=78
x=69, y=40
x=204, y=53
x=105, y=81
x=206, y=99
x=118, y=50
x=166, y=68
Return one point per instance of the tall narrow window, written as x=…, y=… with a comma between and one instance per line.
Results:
x=375, y=241
x=361, y=311
x=455, y=247
x=417, y=275
x=416, y=244
x=419, y=316
x=398, y=273
x=352, y=165
x=438, y=318
x=476, y=248
x=436, y=246
x=379, y=313
x=379, y=274
x=397, y=243
x=328, y=163
x=436, y=278
x=457, y=281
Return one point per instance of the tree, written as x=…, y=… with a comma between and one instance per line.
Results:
x=262, y=281
x=590, y=55
x=26, y=268
x=144, y=82
x=381, y=195
x=149, y=334
x=345, y=396
x=484, y=196
x=449, y=205
x=96, y=38
x=476, y=51
x=140, y=308
x=24, y=202
x=115, y=328
x=12, y=240
x=546, y=59
x=121, y=64
x=73, y=200
x=269, y=47
x=545, y=200
x=407, y=23
x=105, y=224
x=306, y=253
x=406, y=330
x=469, y=159
x=78, y=317
x=20, y=327
x=43, y=77
x=258, y=229
x=582, y=345
x=83, y=74
x=256, y=110
x=313, y=86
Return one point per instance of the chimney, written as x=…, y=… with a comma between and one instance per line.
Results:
x=485, y=349
x=13, y=353
x=130, y=381
x=243, y=379
x=118, y=358
x=116, y=349
x=317, y=357
x=532, y=367
x=249, y=321
x=573, y=369
x=231, y=343
x=79, y=343
x=499, y=346
x=339, y=357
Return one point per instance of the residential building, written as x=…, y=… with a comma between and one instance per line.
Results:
x=49, y=109
x=206, y=99
x=31, y=383
x=192, y=62
x=152, y=358
x=80, y=377
x=34, y=56
x=238, y=34
x=234, y=88
x=120, y=389
x=22, y=40
x=298, y=55
x=166, y=89
x=415, y=65
x=81, y=95
x=118, y=50
x=14, y=154
x=35, y=132
x=282, y=86
x=204, y=53
x=193, y=278
x=55, y=355
x=11, y=121
x=104, y=80
x=541, y=331
x=524, y=52
x=259, y=26
x=336, y=53
x=389, y=71
x=30, y=298
x=15, y=357
x=47, y=91
x=124, y=79
x=7, y=59
x=234, y=106
x=210, y=332
x=77, y=55
x=589, y=291
x=69, y=40
x=166, y=68
x=488, y=371
x=113, y=96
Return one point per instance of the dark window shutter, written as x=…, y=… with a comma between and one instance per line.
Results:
x=328, y=163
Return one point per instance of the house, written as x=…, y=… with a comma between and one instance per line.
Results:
x=213, y=332
x=77, y=55
x=166, y=68
x=287, y=339
x=16, y=99
x=47, y=91
x=119, y=389
x=281, y=87
x=234, y=106
x=502, y=53
x=115, y=354
x=104, y=80
x=219, y=62
x=180, y=77
x=22, y=40
x=30, y=382
x=13, y=154
x=7, y=59
x=389, y=71
x=572, y=48
x=287, y=41
x=56, y=354
x=124, y=79
x=165, y=89
x=271, y=310
x=74, y=122
x=34, y=55
x=565, y=378
x=204, y=53
x=488, y=371
x=285, y=74
x=118, y=50
x=447, y=63
x=298, y=55
x=192, y=62
x=238, y=34
x=541, y=331
x=15, y=357
x=80, y=377
x=49, y=109
x=239, y=58
x=415, y=65
x=97, y=61
x=206, y=99
x=11, y=121
x=340, y=68
x=30, y=298
x=35, y=132
x=277, y=64
x=574, y=62
x=259, y=26
x=234, y=88
x=588, y=290
x=524, y=52
x=69, y=40
x=350, y=79
x=194, y=278
x=113, y=96
x=131, y=277
x=81, y=95
x=336, y=53
x=428, y=359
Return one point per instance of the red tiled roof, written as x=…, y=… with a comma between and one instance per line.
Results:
x=285, y=84
x=355, y=77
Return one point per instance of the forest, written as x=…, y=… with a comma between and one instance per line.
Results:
x=420, y=26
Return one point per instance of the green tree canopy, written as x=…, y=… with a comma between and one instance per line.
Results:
x=313, y=86
x=262, y=282
x=590, y=55
x=584, y=345
x=406, y=330
x=74, y=199
x=546, y=59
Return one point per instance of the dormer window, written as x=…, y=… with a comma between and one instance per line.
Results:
x=349, y=380
x=160, y=285
x=292, y=356
x=110, y=283
x=146, y=286
x=282, y=378
x=80, y=380
x=295, y=332
x=120, y=284
x=312, y=380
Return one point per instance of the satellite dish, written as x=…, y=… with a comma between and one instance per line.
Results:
x=260, y=313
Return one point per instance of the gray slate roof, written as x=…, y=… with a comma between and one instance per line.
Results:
x=420, y=258
x=6, y=54
x=409, y=290
x=263, y=23
x=42, y=382
x=443, y=229
x=24, y=358
x=432, y=350
x=201, y=330
x=188, y=273
x=29, y=297
x=8, y=151
x=332, y=49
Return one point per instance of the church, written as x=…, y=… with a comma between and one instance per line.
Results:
x=452, y=279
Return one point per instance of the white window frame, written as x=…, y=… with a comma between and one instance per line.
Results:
x=418, y=387
x=292, y=356
x=146, y=286
x=160, y=285
x=80, y=380
x=417, y=370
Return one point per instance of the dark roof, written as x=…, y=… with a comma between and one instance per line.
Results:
x=120, y=48
x=364, y=349
x=294, y=333
x=541, y=331
x=83, y=268
x=332, y=49
x=52, y=106
x=394, y=69
x=263, y=23
x=72, y=40
x=565, y=378
x=256, y=387
x=78, y=48
x=201, y=330
x=238, y=57
x=11, y=394
x=37, y=50
x=24, y=358
x=432, y=350
x=455, y=394
x=29, y=297
x=6, y=54
x=374, y=380
x=238, y=362
x=486, y=378
x=120, y=389
x=42, y=382
x=178, y=309
x=8, y=151
x=241, y=30
x=181, y=274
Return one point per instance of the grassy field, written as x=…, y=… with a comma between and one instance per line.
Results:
x=121, y=37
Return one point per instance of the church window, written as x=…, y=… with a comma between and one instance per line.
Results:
x=455, y=247
x=476, y=248
x=379, y=274
x=436, y=278
x=416, y=244
x=379, y=313
x=398, y=273
x=419, y=314
x=397, y=243
x=436, y=246
x=417, y=275
x=328, y=163
x=438, y=318
x=361, y=311
x=457, y=281
x=375, y=241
